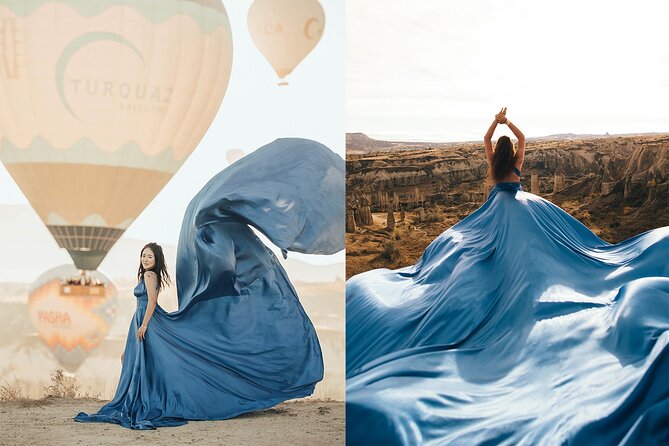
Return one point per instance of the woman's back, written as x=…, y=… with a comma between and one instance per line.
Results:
x=504, y=162
x=512, y=177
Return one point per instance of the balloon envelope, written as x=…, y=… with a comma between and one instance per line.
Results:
x=233, y=155
x=72, y=319
x=285, y=31
x=101, y=102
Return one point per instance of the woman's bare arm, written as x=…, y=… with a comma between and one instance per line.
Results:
x=151, y=282
x=487, y=140
x=520, y=153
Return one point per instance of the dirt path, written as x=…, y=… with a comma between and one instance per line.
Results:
x=49, y=422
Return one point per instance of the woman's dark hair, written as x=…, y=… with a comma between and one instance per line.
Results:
x=503, y=158
x=160, y=267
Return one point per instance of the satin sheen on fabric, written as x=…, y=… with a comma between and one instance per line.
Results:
x=517, y=326
x=240, y=340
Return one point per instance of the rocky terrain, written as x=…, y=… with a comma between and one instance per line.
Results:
x=616, y=185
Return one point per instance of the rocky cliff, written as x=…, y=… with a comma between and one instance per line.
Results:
x=616, y=185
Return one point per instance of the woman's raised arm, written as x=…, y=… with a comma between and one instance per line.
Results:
x=487, y=139
x=520, y=152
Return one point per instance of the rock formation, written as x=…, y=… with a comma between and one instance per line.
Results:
x=358, y=203
x=350, y=221
x=534, y=184
x=420, y=215
x=630, y=171
x=390, y=222
x=559, y=182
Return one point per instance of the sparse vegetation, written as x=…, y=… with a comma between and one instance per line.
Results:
x=390, y=251
x=62, y=385
x=10, y=392
x=91, y=394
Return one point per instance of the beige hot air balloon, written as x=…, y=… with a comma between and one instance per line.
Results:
x=234, y=155
x=101, y=102
x=72, y=313
x=285, y=31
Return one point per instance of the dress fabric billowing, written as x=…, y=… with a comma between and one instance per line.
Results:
x=240, y=340
x=517, y=326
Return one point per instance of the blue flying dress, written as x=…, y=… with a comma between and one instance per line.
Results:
x=517, y=326
x=240, y=340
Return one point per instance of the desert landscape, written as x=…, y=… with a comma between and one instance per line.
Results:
x=48, y=421
x=39, y=395
x=401, y=195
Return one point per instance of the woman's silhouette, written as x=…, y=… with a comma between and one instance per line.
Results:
x=517, y=325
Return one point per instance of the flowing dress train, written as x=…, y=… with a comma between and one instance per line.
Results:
x=517, y=326
x=240, y=340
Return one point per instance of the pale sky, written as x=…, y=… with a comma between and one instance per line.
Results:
x=437, y=70
x=254, y=112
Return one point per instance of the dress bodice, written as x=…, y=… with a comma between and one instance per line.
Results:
x=509, y=186
x=140, y=290
x=505, y=186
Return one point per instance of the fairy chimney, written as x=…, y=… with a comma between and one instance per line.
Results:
x=534, y=187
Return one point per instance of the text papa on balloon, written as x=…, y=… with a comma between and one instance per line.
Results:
x=59, y=318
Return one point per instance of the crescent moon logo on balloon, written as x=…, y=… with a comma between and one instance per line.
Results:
x=75, y=46
x=308, y=27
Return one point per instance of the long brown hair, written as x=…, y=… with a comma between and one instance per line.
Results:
x=160, y=267
x=503, y=158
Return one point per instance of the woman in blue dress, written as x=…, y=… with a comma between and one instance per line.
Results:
x=240, y=340
x=517, y=325
x=152, y=274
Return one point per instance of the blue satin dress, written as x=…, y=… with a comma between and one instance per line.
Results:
x=517, y=326
x=240, y=340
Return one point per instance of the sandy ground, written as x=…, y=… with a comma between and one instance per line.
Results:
x=49, y=422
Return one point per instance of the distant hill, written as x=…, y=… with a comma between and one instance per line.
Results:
x=363, y=143
x=359, y=143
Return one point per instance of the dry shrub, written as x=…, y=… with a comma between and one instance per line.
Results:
x=390, y=251
x=62, y=385
x=90, y=394
x=10, y=392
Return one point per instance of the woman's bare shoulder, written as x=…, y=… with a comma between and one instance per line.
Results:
x=150, y=274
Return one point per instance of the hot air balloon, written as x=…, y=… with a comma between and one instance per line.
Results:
x=285, y=31
x=71, y=312
x=233, y=155
x=101, y=102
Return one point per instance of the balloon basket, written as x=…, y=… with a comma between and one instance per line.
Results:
x=82, y=290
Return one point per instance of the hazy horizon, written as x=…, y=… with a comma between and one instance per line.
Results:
x=399, y=140
x=439, y=71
